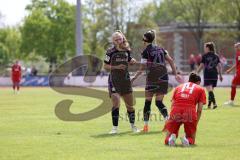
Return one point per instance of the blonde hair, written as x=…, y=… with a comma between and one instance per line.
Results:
x=237, y=44
x=124, y=45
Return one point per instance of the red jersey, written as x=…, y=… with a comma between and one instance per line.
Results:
x=238, y=62
x=187, y=95
x=16, y=70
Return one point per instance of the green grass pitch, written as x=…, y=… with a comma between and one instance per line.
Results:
x=29, y=130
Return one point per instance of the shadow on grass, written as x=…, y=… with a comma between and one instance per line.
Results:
x=105, y=135
x=229, y=106
x=222, y=106
x=147, y=134
x=236, y=106
x=181, y=146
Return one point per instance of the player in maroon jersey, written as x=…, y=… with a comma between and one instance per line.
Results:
x=16, y=76
x=153, y=62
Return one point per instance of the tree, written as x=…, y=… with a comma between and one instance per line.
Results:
x=49, y=29
x=1, y=20
x=101, y=18
x=228, y=12
x=195, y=14
x=10, y=41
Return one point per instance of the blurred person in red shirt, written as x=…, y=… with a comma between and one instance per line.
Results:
x=192, y=61
x=198, y=59
x=236, y=78
x=16, y=76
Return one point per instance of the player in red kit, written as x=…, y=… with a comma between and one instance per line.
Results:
x=236, y=79
x=16, y=76
x=183, y=111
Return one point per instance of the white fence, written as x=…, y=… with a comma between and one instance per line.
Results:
x=102, y=81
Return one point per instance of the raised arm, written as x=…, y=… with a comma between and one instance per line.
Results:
x=200, y=67
x=219, y=67
x=139, y=72
x=109, y=67
x=199, y=111
x=231, y=68
x=172, y=64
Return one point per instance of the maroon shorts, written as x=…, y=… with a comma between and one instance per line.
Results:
x=16, y=79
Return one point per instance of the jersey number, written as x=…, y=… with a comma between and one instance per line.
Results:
x=187, y=86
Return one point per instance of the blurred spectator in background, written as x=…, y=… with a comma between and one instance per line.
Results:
x=34, y=71
x=223, y=61
x=192, y=62
x=27, y=72
x=198, y=58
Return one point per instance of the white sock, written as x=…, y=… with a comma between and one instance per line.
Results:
x=115, y=127
x=166, y=118
x=145, y=122
x=132, y=125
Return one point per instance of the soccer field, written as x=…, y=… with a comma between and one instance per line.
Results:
x=30, y=130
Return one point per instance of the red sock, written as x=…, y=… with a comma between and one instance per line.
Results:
x=233, y=93
x=166, y=140
x=191, y=141
x=14, y=87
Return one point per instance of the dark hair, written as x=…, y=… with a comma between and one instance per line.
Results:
x=150, y=36
x=210, y=46
x=194, y=78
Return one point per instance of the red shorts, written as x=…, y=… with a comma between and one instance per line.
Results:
x=179, y=116
x=236, y=80
x=16, y=79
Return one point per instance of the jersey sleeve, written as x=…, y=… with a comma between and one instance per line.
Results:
x=203, y=59
x=20, y=69
x=202, y=96
x=165, y=52
x=107, y=59
x=174, y=95
x=218, y=59
x=129, y=56
x=144, y=56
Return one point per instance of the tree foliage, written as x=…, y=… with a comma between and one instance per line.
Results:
x=49, y=29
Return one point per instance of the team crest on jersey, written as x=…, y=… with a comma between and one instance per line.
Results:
x=107, y=58
x=166, y=51
x=121, y=59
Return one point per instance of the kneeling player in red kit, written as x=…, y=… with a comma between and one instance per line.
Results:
x=184, y=111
